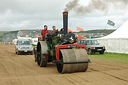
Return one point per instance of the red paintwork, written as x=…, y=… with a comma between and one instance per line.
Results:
x=47, y=53
x=57, y=48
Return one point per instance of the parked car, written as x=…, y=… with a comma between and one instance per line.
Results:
x=24, y=45
x=92, y=46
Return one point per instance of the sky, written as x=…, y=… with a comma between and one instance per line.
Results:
x=34, y=14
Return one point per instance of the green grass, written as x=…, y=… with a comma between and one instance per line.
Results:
x=111, y=56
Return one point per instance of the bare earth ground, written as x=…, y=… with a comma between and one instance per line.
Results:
x=22, y=70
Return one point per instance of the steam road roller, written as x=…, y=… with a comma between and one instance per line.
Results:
x=61, y=50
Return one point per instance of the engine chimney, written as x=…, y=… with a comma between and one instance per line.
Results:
x=65, y=22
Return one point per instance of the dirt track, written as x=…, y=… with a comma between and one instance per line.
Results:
x=22, y=70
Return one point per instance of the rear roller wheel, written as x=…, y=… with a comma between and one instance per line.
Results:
x=38, y=59
x=42, y=60
x=72, y=55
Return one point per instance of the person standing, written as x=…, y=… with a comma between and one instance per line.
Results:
x=43, y=32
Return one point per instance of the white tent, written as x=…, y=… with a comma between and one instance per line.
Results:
x=117, y=41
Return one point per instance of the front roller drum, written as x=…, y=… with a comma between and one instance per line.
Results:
x=72, y=55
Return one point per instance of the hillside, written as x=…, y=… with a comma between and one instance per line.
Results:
x=7, y=36
x=2, y=32
x=98, y=31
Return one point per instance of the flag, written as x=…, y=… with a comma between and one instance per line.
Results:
x=111, y=23
x=79, y=29
x=69, y=30
x=79, y=37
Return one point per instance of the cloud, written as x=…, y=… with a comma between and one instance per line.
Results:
x=28, y=14
x=33, y=14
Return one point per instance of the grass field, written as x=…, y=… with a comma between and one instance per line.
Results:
x=112, y=56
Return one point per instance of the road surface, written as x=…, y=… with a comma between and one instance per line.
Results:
x=22, y=70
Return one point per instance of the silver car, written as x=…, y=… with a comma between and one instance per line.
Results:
x=23, y=46
x=92, y=46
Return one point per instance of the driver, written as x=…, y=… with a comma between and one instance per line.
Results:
x=43, y=32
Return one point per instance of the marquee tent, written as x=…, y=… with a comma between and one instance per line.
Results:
x=116, y=42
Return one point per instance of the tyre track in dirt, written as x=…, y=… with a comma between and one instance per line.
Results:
x=22, y=70
x=115, y=77
x=108, y=74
